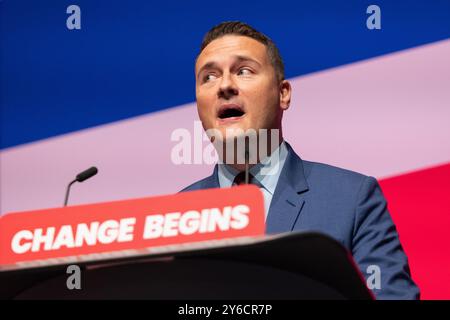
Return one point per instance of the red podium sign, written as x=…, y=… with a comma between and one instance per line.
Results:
x=129, y=228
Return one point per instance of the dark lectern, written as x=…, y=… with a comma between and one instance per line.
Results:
x=285, y=266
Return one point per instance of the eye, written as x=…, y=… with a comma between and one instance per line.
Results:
x=244, y=71
x=209, y=77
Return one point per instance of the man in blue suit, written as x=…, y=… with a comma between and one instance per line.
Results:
x=240, y=85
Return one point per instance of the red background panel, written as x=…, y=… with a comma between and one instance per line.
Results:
x=419, y=203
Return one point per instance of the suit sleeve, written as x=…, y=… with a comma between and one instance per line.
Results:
x=376, y=247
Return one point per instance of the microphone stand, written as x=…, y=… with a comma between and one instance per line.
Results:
x=66, y=199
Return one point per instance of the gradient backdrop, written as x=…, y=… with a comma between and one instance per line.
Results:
x=110, y=95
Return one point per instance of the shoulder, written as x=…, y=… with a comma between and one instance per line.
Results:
x=320, y=176
x=321, y=173
x=338, y=184
x=205, y=183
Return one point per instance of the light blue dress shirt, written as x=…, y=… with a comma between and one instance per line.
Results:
x=266, y=174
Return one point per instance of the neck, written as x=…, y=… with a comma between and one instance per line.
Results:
x=239, y=162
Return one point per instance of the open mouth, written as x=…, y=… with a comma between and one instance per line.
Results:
x=230, y=111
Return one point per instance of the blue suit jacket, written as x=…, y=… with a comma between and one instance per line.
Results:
x=345, y=205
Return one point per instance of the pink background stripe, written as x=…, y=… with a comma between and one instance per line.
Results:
x=381, y=117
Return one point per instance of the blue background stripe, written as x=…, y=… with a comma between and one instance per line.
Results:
x=135, y=57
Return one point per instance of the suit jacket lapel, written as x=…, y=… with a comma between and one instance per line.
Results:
x=288, y=198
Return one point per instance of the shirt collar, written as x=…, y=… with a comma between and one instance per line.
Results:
x=267, y=172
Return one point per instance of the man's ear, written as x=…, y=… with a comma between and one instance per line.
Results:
x=285, y=94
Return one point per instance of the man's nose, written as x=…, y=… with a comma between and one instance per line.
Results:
x=227, y=87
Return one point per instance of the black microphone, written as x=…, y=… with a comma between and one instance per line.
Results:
x=247, y=156
x=86, y=174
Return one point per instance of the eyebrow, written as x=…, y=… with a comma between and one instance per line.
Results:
x=209, y=65
x=239, y=58
x=245, y=59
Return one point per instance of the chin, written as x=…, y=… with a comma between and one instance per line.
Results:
x=233, y=132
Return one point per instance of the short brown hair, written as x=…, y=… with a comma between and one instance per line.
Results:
x=243, y=29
